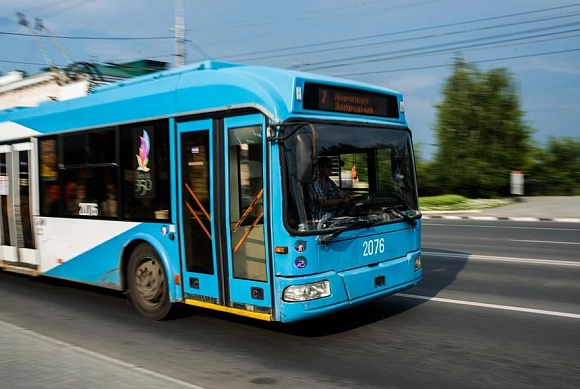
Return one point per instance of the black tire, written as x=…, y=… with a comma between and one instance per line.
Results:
x=147, y=283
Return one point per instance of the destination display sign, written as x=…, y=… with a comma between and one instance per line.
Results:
x=346, y=100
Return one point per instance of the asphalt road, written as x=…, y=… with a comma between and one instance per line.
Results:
x=499, y=307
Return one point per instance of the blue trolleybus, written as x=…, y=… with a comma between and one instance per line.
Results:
x=194, y=185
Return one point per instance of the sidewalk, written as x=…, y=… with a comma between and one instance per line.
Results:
x=31, y=360
x=548, y=208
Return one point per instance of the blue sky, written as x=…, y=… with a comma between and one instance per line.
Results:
x=407, y=45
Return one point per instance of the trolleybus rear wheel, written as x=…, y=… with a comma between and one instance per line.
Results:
x=147, y=282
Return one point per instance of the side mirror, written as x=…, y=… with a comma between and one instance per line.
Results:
x=306, y=154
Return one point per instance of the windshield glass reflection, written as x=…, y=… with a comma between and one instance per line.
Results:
x=363, y=176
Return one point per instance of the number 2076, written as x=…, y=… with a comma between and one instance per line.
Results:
x=373, y=247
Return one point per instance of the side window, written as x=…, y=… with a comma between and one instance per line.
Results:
x=49, y=184
x=89, y=167
x=79, y=174
x=145, y=171
x=90, y=192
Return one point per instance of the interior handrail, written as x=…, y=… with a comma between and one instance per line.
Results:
x=250, y=207
x=247, y=233
x=197, y=201
x=198, y=219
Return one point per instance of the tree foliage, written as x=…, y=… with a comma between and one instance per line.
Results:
x=480, y=132
x=556, y=169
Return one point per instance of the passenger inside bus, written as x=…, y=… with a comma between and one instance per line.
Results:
x=53, y=194
x=143, y=209
x=325, y=198
x=109, y=205
x=70, y=196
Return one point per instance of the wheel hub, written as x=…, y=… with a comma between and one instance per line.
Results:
x=149, y=280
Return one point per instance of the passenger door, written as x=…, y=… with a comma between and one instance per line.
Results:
x=248, y=261
x=196, y=220
x=221, y=195
x=18, y=177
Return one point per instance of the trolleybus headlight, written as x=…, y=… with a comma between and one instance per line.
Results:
x=306, y=292
x=417, y=262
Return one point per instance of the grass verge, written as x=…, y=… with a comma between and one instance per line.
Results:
x=459, y=203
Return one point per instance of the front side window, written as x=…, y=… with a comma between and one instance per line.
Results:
x=362, y=175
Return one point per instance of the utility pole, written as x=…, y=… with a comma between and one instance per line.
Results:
x=179, y=34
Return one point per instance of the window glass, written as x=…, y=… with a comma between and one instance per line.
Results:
x=90, y=192
x=245, y=148
x=145, y=171
x=49, y=186
x=90, y=148
x=367, y=175
x=79, y=174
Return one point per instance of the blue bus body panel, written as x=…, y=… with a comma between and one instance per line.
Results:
x=351, y=287
x=347, y=251
x=353, y=264
x=90, y=251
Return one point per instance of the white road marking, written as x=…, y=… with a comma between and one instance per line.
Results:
x=502, y=259
x=492, y=306
x=566, y=220
x=523, y=219
x=483, y=218
x=542, y=241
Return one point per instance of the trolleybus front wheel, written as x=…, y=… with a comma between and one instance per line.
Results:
x=147, y=282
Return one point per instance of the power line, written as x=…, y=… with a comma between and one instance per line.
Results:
x=47, y=5
x=371, y=58
x=423, y=37
x=92, y=37
x=519, y=44
x=199, y=50
x=24, y=63
x=311, y=15
x=446, y=65
x=421, y=29
x=305, y=45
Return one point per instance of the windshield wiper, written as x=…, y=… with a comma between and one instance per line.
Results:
x=412, y=222
x=357, y=224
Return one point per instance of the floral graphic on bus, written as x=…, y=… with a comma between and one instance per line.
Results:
x=143, y=157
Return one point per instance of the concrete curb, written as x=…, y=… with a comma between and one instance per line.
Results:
x=493, y=218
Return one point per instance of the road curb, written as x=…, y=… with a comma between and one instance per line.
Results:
x=510, y=218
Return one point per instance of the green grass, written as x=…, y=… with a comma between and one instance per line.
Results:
x=458, y=203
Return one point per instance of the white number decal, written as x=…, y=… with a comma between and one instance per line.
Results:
x=88, y=209
x=373, y=247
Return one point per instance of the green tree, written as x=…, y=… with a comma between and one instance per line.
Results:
x=426, y=179
x=556, y=170
x=480, y=132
